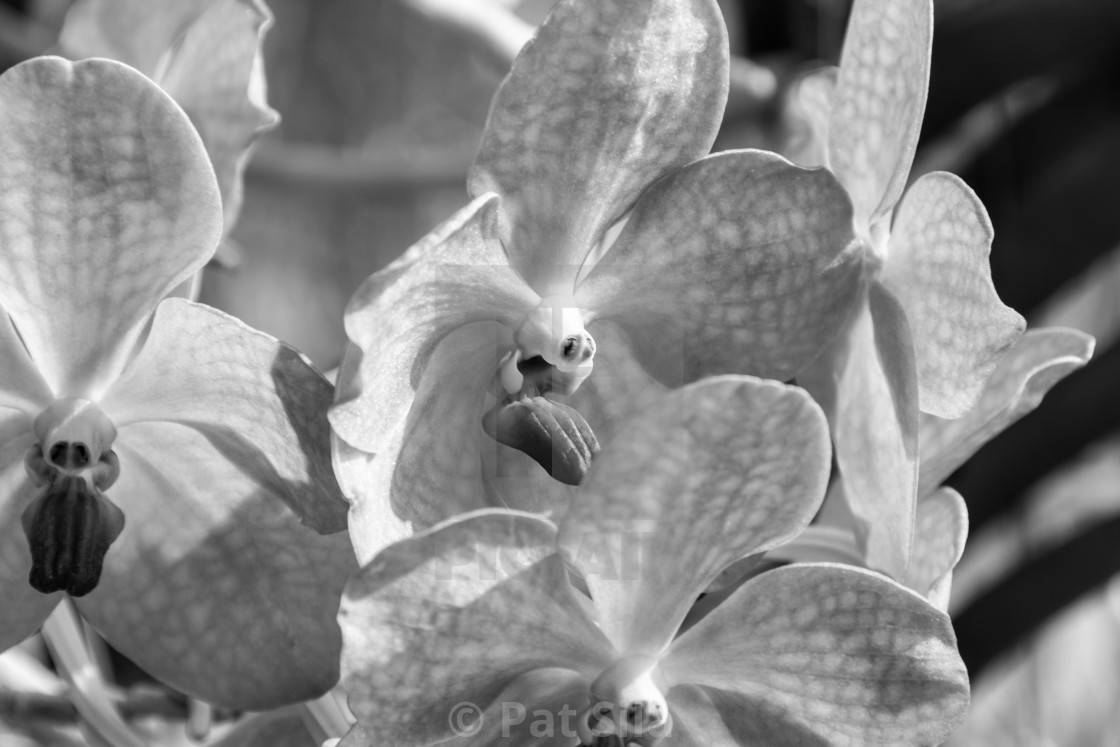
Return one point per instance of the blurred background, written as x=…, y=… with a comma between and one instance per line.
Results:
x=382, y=104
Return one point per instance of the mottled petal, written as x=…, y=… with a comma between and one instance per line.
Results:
x=109, y=202
x=738, y=263
x=829, y=654
x=454, y=616
x=455, y=275
x=209, y=561
x=205, y=53
x=23, y=609
x=608, y=97
x=1040, y=359
x=940, y=531
x=879, y=101
x=876, y=432
x=938, y=269
x=21, y=385
x=260, y=405
x=713, y=472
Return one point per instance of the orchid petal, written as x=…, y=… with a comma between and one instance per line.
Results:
x=109, y=203
x=605, y=99
x=876, y=432
x=1040, y=359
x=714, y=472
x=205, y=53
x=938, y=269
x=456, y=275
x=738, y=263
x=454, y=616
x=810, y=106
x=23, y=609
x=940, y=531
x=879, y=101
x=261, y=406
x=208, y=561
x=21, y=385
x=829, y=653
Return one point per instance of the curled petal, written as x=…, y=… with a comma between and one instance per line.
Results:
x=205, y=53
x=109, y=203
x=810, y=108
x=738, y=263
x=209, y=560
x=261, y=406
x=456, y=275
x=879, y=101
x=713, y=472
x=876, y=432
x=1040, y=359
x=605, y=99
x=940, y=531
x=827, y=654
x=455, y=615
x=938, y=269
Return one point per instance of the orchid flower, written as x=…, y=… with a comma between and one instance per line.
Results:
x=480, y=612
x=931, y=328
x=156, y=458
x=205, y=53
x=737, y=262
x=1040, y=359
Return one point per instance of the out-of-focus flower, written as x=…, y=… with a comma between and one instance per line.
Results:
x=480, y=611
x=205, y=53
x=156, y=459
x=735, y=262
x=932, y=328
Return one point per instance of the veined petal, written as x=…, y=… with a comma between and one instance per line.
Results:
x=23, y=608
x=1040, y=359
x=455, y=615
x=940, y=531
x=207, y=561
x=937, y=266
x=713, y=472
x=456, y=275
x=21, y=385
x=879, y=101
x=257, y=401
x=538, y=709
x=205, y=53
x=738, y=263
x=829, y=653
x=876, y=432
x=109, y=202
x=605, y=99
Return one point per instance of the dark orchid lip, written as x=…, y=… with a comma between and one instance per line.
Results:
x=556, y=436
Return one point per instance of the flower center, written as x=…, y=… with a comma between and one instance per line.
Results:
x=552, y=334
x=70, y=524
x=627, y=706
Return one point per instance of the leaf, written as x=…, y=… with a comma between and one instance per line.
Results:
x=737, y=263
x=937, y=266
x=604, y=100
x=110, y=202
x=258, y=404
x=713, y=472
